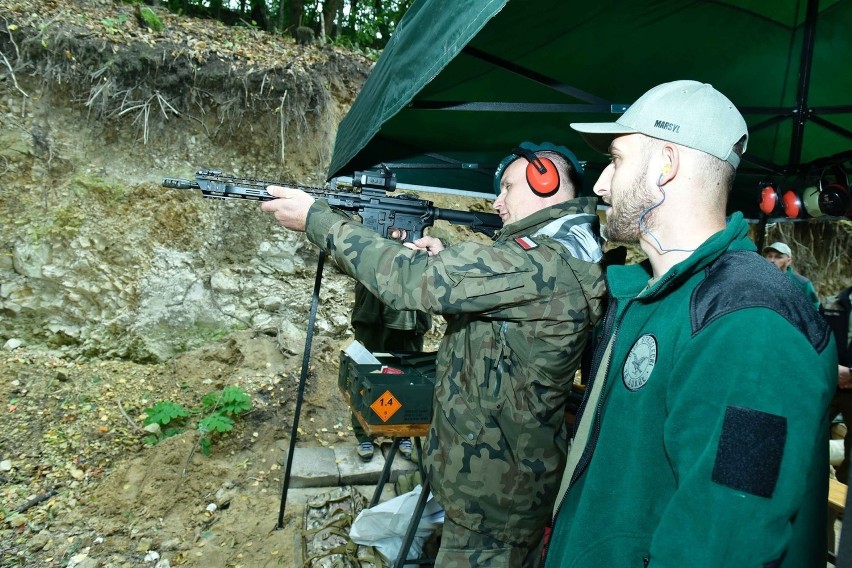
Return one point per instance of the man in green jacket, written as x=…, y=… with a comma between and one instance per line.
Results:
x=703, y=438
x=781, y=256
x=518, y=314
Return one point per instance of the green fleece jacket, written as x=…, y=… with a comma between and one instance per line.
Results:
x=709, y=442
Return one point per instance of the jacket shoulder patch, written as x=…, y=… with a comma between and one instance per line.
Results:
x=750, y=450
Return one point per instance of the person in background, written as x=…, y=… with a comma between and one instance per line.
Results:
x=702, y=440
x=837, y=311
x=382, y=329
x=519, y=312
x=781, y=256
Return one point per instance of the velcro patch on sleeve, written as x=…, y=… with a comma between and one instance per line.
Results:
x=750, y=450
x=526, y=243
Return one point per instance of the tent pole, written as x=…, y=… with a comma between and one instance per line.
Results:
x=804, y=82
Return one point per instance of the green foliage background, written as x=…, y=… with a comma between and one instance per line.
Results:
x=362, y=24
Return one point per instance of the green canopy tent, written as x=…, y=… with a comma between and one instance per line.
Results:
x=461, y=82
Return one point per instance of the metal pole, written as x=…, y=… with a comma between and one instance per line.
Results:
x=802, y=111
x=306, y=357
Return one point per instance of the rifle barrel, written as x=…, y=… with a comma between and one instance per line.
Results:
x=177, y=183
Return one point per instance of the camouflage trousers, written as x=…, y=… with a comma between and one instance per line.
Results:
x=463, y=548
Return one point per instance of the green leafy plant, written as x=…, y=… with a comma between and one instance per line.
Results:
x=219, y=407
x=231, y=401
x=218, y=410
x=170, y=416
x=112, y=25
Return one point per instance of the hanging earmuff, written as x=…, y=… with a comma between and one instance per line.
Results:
x=834, y=197
x=810, y=198
x=792, y=204
x=775, y=202
x=770, y=200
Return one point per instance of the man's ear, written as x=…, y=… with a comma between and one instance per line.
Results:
x=671, y=163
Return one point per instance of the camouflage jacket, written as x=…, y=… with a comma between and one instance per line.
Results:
x=518, y=314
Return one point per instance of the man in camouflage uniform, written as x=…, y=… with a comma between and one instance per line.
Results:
x=518, y=315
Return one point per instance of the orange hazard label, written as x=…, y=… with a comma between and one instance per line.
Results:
x=386, y=406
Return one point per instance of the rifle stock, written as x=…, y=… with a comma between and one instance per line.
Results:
x=383, y=213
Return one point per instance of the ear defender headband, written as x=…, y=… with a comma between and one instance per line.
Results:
x=541, y=173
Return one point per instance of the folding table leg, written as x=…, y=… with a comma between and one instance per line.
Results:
x=412, y=527
x=383, y=478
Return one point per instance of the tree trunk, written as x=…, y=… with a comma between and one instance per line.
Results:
x=340, y=21
x=384, y=29
x=258, y=14
x=297, y=8
x=282, y=15
x=329, y=11
x=353, y=15
x=216, y=9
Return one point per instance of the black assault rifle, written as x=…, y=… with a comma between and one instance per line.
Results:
x=381, y=212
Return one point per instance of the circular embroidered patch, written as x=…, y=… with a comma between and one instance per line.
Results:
x=640, y=362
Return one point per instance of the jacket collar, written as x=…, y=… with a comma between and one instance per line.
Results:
x=533, y=222
x=629, y=281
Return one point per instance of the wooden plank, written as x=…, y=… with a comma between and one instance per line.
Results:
x=836, y=495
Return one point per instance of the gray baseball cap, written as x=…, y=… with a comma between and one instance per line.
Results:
x=688, y=113
x=779, y=247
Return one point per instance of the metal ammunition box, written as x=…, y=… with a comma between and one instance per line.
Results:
x=401, y=397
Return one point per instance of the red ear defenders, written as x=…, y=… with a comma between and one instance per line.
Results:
x=769, y=200
x=832, y=197
x=777, y=203
x=782, y=203
x=541, y=173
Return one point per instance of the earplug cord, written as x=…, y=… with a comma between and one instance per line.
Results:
x=644, y=228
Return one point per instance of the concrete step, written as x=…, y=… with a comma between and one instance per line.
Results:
x=327, y=467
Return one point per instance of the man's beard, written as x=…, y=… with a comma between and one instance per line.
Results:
x=622, y=224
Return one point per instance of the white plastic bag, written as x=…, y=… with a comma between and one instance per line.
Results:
x=835, y=452
x=384, y=526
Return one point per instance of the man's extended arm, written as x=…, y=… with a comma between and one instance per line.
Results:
x=468, y=277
